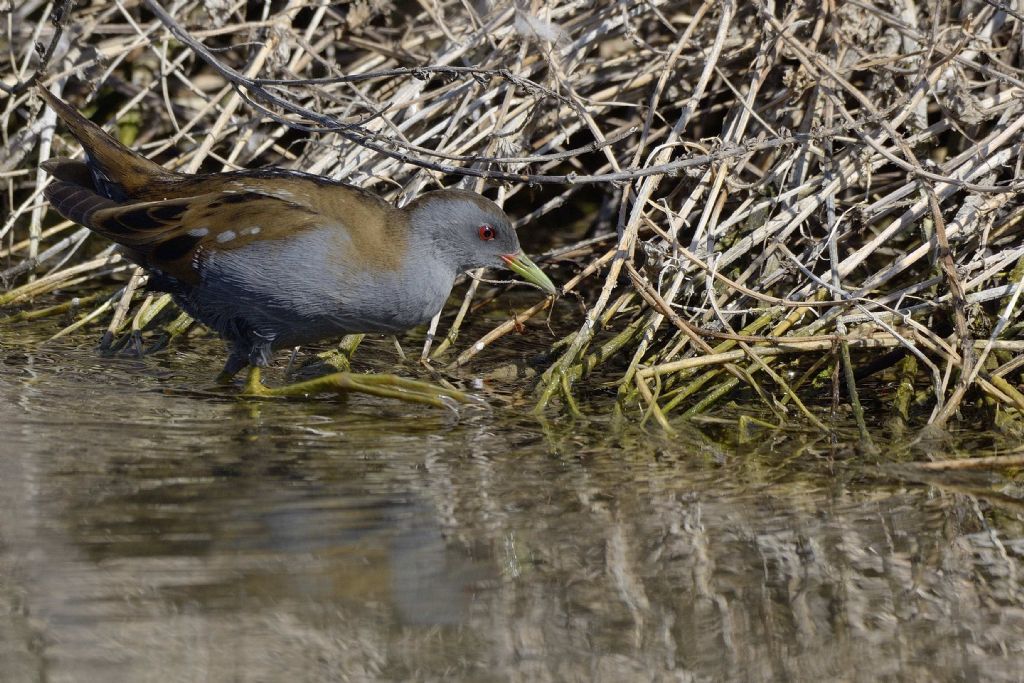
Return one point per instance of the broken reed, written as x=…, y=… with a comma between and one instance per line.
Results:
x=778, y=201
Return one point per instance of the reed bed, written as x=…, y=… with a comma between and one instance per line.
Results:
x=792, y=204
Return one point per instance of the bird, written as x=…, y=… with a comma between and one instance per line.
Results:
x=275, y=258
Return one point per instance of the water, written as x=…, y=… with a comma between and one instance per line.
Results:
x=152, y=532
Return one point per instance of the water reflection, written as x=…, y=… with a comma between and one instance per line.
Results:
x=148, y=533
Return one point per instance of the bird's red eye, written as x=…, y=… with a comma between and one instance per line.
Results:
x=486, y=232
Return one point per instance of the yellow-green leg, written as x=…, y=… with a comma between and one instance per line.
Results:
x=338, y=359
x=385, y=386
x=253, y=386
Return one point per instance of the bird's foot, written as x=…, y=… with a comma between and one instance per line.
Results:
x=384, y=386
x=338, y=359
x=332, y=360
x=253, y=387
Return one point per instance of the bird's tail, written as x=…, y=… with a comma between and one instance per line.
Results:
x=111, y=170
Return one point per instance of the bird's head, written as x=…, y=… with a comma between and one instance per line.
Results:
x=469, y=231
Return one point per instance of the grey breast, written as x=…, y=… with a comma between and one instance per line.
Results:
x=290, y=292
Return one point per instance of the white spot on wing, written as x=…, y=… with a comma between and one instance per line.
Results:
x=198, y=232
x=226, y=236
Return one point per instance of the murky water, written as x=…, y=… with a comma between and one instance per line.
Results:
x=149, y=532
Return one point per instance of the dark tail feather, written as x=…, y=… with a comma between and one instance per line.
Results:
x=76, y=203
x=71, y=170
x=109, y=160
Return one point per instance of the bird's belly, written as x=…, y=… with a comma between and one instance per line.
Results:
x=294, y=296
x=386, y=307
x=346, y=319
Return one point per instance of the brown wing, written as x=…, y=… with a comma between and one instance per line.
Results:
x=172, y=235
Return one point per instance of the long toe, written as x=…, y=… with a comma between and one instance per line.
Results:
x=415, y=388
x=383, y=386
x=415, y=385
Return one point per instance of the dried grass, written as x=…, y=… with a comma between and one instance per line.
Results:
x=749, y=183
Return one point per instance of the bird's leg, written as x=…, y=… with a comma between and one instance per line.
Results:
x=232, y=366
x=253, y=386
x=348, y=345
x=340, y=359
x=385, y=386
x=224, y=377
